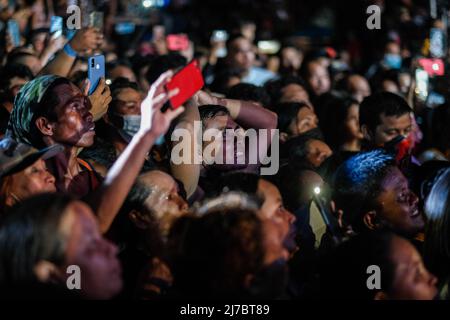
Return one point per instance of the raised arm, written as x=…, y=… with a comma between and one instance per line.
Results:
x=84, y=41
x=188, y=173
x=125, y=170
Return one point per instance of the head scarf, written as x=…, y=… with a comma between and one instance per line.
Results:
x=26, y=103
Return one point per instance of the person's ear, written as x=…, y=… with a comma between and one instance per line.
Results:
x=137, y=219
x=44, y=126
x=284, y=137
x=371, y=220
x=47, y=272
x=366, y=132
x=380, y=295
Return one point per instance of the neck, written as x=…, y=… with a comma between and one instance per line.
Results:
x=64, y=166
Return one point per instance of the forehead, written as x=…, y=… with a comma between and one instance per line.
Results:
x=402, y=121
x=268, y=189
x=304, y=112
x=128, y=92
x=218, y=121
x=239, y=44
x=159, y=178
x=393, y=178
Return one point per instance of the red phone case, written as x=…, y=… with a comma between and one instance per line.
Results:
x=432, y=66
x=177, y=42
x=188, y=80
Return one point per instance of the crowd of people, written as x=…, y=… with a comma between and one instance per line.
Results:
x=88, y=178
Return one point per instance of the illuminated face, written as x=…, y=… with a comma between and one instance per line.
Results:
x=101, y=273
x=75, y=124
x=318, y=78
x=397, y=205
x=31, y=181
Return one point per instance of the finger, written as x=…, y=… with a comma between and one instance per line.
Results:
x=86, y=87
x=160, y=100
x=163, y=78
x=101, y=86
x=172, y=114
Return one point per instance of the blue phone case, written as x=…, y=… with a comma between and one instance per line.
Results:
x=96, y=70
x=14, y=33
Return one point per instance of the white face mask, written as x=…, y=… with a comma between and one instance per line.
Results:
x=131, y=124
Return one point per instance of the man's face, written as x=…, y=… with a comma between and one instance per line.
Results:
x=412, y=281
x=391, y=127
x=75, y=124
x=397, y=205
x=318, y=78
x=225, y=145
x=241, y=54
x=273, y=209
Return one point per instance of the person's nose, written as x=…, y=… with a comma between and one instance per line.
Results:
x=49, y=178
x=413, y=199
x=179, y=201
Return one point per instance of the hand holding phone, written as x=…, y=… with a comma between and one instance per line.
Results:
x=96, y=71
x=188, y=80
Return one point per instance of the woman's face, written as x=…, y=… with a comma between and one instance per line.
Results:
x=75, y=125
x=412, y=281
x=33, y=180
x=128, y=102
x=352, y=123
x=101, y=273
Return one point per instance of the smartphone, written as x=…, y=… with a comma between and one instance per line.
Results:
x=177, y=42
x=422, y=81
x=325, y=212
x=269, y=46
x=219, y=36
x=188, y=80
x=123, y=28
x=96, y=70
x=434, y=67
x=437, y=43
x=14, y=32
x=96, y=20
x=56, y=27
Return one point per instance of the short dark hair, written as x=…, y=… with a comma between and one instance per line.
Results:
x=351, y=260
x=387, y=103
x=249, y=92
x=209, y=111
x=13, y=70
x=29, y=234
x=212, y=255
x=357, y=184
x=287, y=112
x=161, y=64
x=275, y=87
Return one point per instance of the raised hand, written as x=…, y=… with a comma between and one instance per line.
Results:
x=153, y=120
